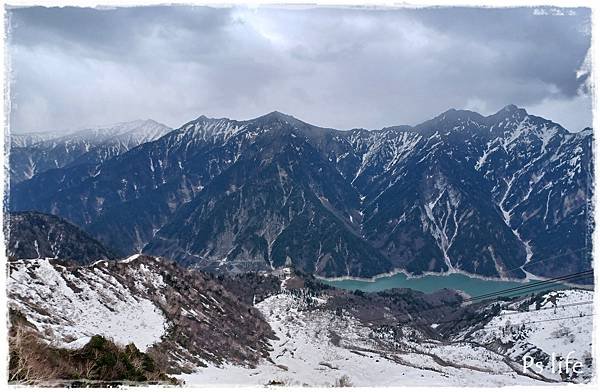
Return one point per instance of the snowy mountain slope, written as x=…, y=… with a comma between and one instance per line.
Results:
x=28, y=139
x=499, y=196
x=79, y=306
x=37, y=153
x=540, y=176
x=287, y=207
x=182, y=318
x=451, y=192
x=127, y=199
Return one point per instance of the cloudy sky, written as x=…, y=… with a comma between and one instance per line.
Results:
x=341, y=68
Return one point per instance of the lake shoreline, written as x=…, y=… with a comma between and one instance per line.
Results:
x=469, y=284
x=530, y=277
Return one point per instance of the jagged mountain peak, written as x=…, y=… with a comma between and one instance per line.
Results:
x=280, y=118
x=453, y=115
x=511, y=108
x=508, y=115
x=27, y=139
x=35, y=154
x=450, y=120
x=205, y=119
x=459, y=114
x=205, y=128
x=271, y=116
x=509, y=112
x=515, y=122
x=276, y=115
x=150, y=122
x=274, y=123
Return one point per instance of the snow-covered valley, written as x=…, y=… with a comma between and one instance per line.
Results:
x=321, y=349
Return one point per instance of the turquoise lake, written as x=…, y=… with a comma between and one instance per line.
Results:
x=431, y=283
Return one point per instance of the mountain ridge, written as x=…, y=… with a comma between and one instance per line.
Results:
x=36, y=235
x=455, y=193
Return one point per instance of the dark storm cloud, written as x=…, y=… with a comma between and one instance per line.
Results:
x=335, y=67
x=531, y=46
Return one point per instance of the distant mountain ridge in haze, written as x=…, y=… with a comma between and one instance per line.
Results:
x=496, y=196
x=34, y=153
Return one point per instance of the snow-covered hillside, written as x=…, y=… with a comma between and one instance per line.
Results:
x=560, y=323
x=74, y=306
x=317, y=347
x=184, y=317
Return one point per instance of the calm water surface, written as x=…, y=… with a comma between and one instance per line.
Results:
x=431, y=283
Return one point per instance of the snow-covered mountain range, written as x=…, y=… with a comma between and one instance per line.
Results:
x=499, y=196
